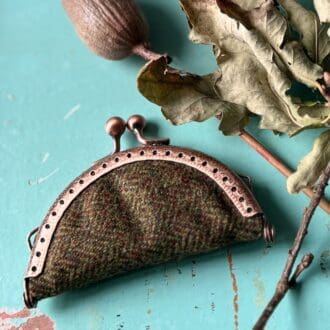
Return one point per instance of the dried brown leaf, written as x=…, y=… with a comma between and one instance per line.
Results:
x=312, y=165
x=323, y=10
x=185, y=97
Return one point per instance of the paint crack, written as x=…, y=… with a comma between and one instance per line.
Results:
x=235, y=288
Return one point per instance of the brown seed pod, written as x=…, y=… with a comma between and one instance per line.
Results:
x=110, y=28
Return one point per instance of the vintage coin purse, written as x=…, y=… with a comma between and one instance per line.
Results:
x=135, y=208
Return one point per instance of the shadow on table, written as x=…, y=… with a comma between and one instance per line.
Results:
x=115, y=286
x=166, y=34
x=151, y=131
x=285, y=227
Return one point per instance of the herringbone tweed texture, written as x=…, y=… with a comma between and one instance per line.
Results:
x=141, y=214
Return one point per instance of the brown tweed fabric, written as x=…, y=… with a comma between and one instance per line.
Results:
x=141, y=214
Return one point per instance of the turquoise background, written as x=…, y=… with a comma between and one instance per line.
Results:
x=45, y=72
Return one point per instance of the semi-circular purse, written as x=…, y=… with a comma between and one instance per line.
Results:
x=144, y=206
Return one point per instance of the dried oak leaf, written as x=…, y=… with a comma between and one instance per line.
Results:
x=248, y=4
x=313, y=34
x=323, y=10
x=185, y=97
x=261, y=47
x=305, y=22
x=263, y=31
x=257, y=40
x=311, y=165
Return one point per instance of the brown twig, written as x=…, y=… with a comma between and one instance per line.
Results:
x=306, y=261
x=285, y=282
x=257, y=146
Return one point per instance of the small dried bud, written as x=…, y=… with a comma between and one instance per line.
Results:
x=113, y=29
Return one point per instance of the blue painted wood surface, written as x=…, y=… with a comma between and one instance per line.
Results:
x=55, y=97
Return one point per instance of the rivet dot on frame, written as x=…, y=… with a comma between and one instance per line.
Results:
x=104, y=165
x=81, y=181
x=53, y=213
x=38, y=254
x=141, y=153
x=42, y=240
x=154, y=152
x=167, y=153
x=204, y=163
x=34, y=268
x=92, y=173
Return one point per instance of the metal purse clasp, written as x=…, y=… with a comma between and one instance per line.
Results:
x=116, y=127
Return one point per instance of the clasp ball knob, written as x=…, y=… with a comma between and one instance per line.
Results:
x=136, y=122
x=115, y=127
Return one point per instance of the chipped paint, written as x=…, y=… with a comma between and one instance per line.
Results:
x=42, y=179
x=72, y=111
x=25, y=312
x=149, y=292
x=45, y=157
x=260, y=299
x=178, y=268
x=28, y=321
x=193, y=270
x=325, y=262
x=235, y=288
x=120, y=326
x=212, y=306
x=165, y=275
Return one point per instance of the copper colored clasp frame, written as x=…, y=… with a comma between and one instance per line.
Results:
x=116, y=127
x=152, y=149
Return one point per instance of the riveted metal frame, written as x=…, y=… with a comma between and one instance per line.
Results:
x=232, y=185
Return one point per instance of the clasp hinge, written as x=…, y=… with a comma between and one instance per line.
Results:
x=116, y=126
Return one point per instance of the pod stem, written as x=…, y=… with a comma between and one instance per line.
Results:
x=275, y=162
x=147, y=54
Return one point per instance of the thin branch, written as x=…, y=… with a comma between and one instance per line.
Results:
x=305, y=262
x=285, y=282
x=257, y=146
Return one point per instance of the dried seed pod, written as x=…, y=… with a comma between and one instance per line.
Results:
x=110, y=28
